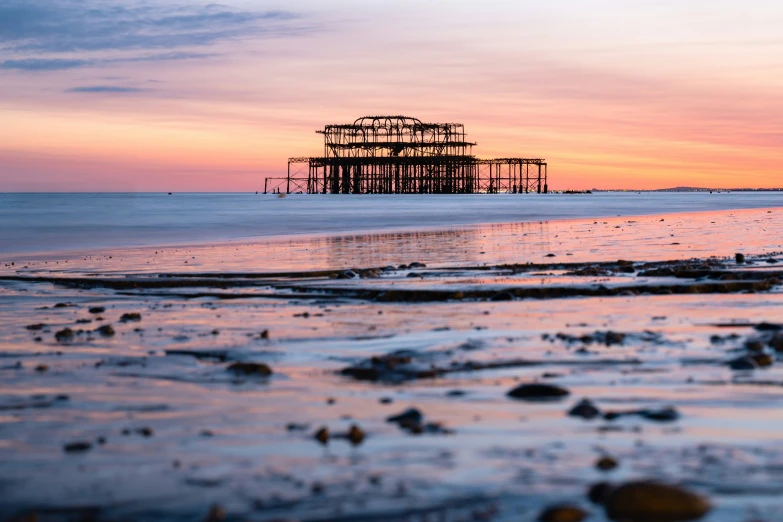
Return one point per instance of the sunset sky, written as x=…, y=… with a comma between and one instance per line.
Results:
x=105, y=95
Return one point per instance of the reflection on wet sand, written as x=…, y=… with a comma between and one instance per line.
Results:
x=648, y=238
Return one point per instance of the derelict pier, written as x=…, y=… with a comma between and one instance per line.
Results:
x=402, y=155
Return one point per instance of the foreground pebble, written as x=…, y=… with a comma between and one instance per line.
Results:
x=585, y=409
x=249, y=369
x=532, y=392
x=650, y=502
x=77, y=447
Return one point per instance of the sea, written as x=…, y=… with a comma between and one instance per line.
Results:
x=59, y=222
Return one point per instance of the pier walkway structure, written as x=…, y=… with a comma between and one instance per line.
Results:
x=403, y=155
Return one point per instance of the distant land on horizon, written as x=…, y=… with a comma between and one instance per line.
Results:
x=693, y=189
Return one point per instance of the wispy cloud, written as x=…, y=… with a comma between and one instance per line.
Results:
x=43, y=64
x=105, y=89
x=59, y=64
x=38, y=32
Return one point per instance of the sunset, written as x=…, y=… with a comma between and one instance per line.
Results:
x=410, y=261
x=104, y=96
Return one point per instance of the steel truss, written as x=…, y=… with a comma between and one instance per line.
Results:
x=402, y=155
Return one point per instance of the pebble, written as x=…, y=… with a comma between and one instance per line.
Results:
x=355, y=435
x=585, y=409
x=668, y=414
x=131, y=316
x=106, y=330
x=563, y=513
x=748, y=362
x=408, y=417
x=653, y=502
x=322, y=435
x=77, y=447
x=293, y=426
x=535, y=391
x=768, y=327
x=664, y=415
x=63, y=335
x=762, y=359
x=250, y=368
x=35, y=327
x=606, y=463
x=97, y=309
x=739, y=258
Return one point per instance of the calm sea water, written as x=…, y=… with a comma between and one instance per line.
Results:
x=63, y=222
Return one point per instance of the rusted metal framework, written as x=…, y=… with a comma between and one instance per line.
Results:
x=402, y=155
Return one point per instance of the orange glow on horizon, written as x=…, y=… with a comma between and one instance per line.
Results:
x=605, y=101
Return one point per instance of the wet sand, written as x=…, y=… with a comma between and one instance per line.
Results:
x=676, y=347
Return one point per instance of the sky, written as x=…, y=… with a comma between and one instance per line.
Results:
x=180, y=95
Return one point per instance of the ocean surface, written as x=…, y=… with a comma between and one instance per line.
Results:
x=44, y=223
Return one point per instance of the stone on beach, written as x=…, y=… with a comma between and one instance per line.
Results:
x=106, y=330
x=66, y=334
x=536, y=392
x=355, y=435
x=668, y=414
x=644, y=501
x=585, y=409
x=409, y=416
x=130, y=317
x=606, y=463
x=77, y=447
x=751, y=361
x=322, y=435
x=250, y=369
x=370, y=273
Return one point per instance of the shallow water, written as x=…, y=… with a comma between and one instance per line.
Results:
x=68, y=222
x=246, y=443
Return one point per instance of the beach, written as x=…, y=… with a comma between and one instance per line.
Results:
x=341, y=358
